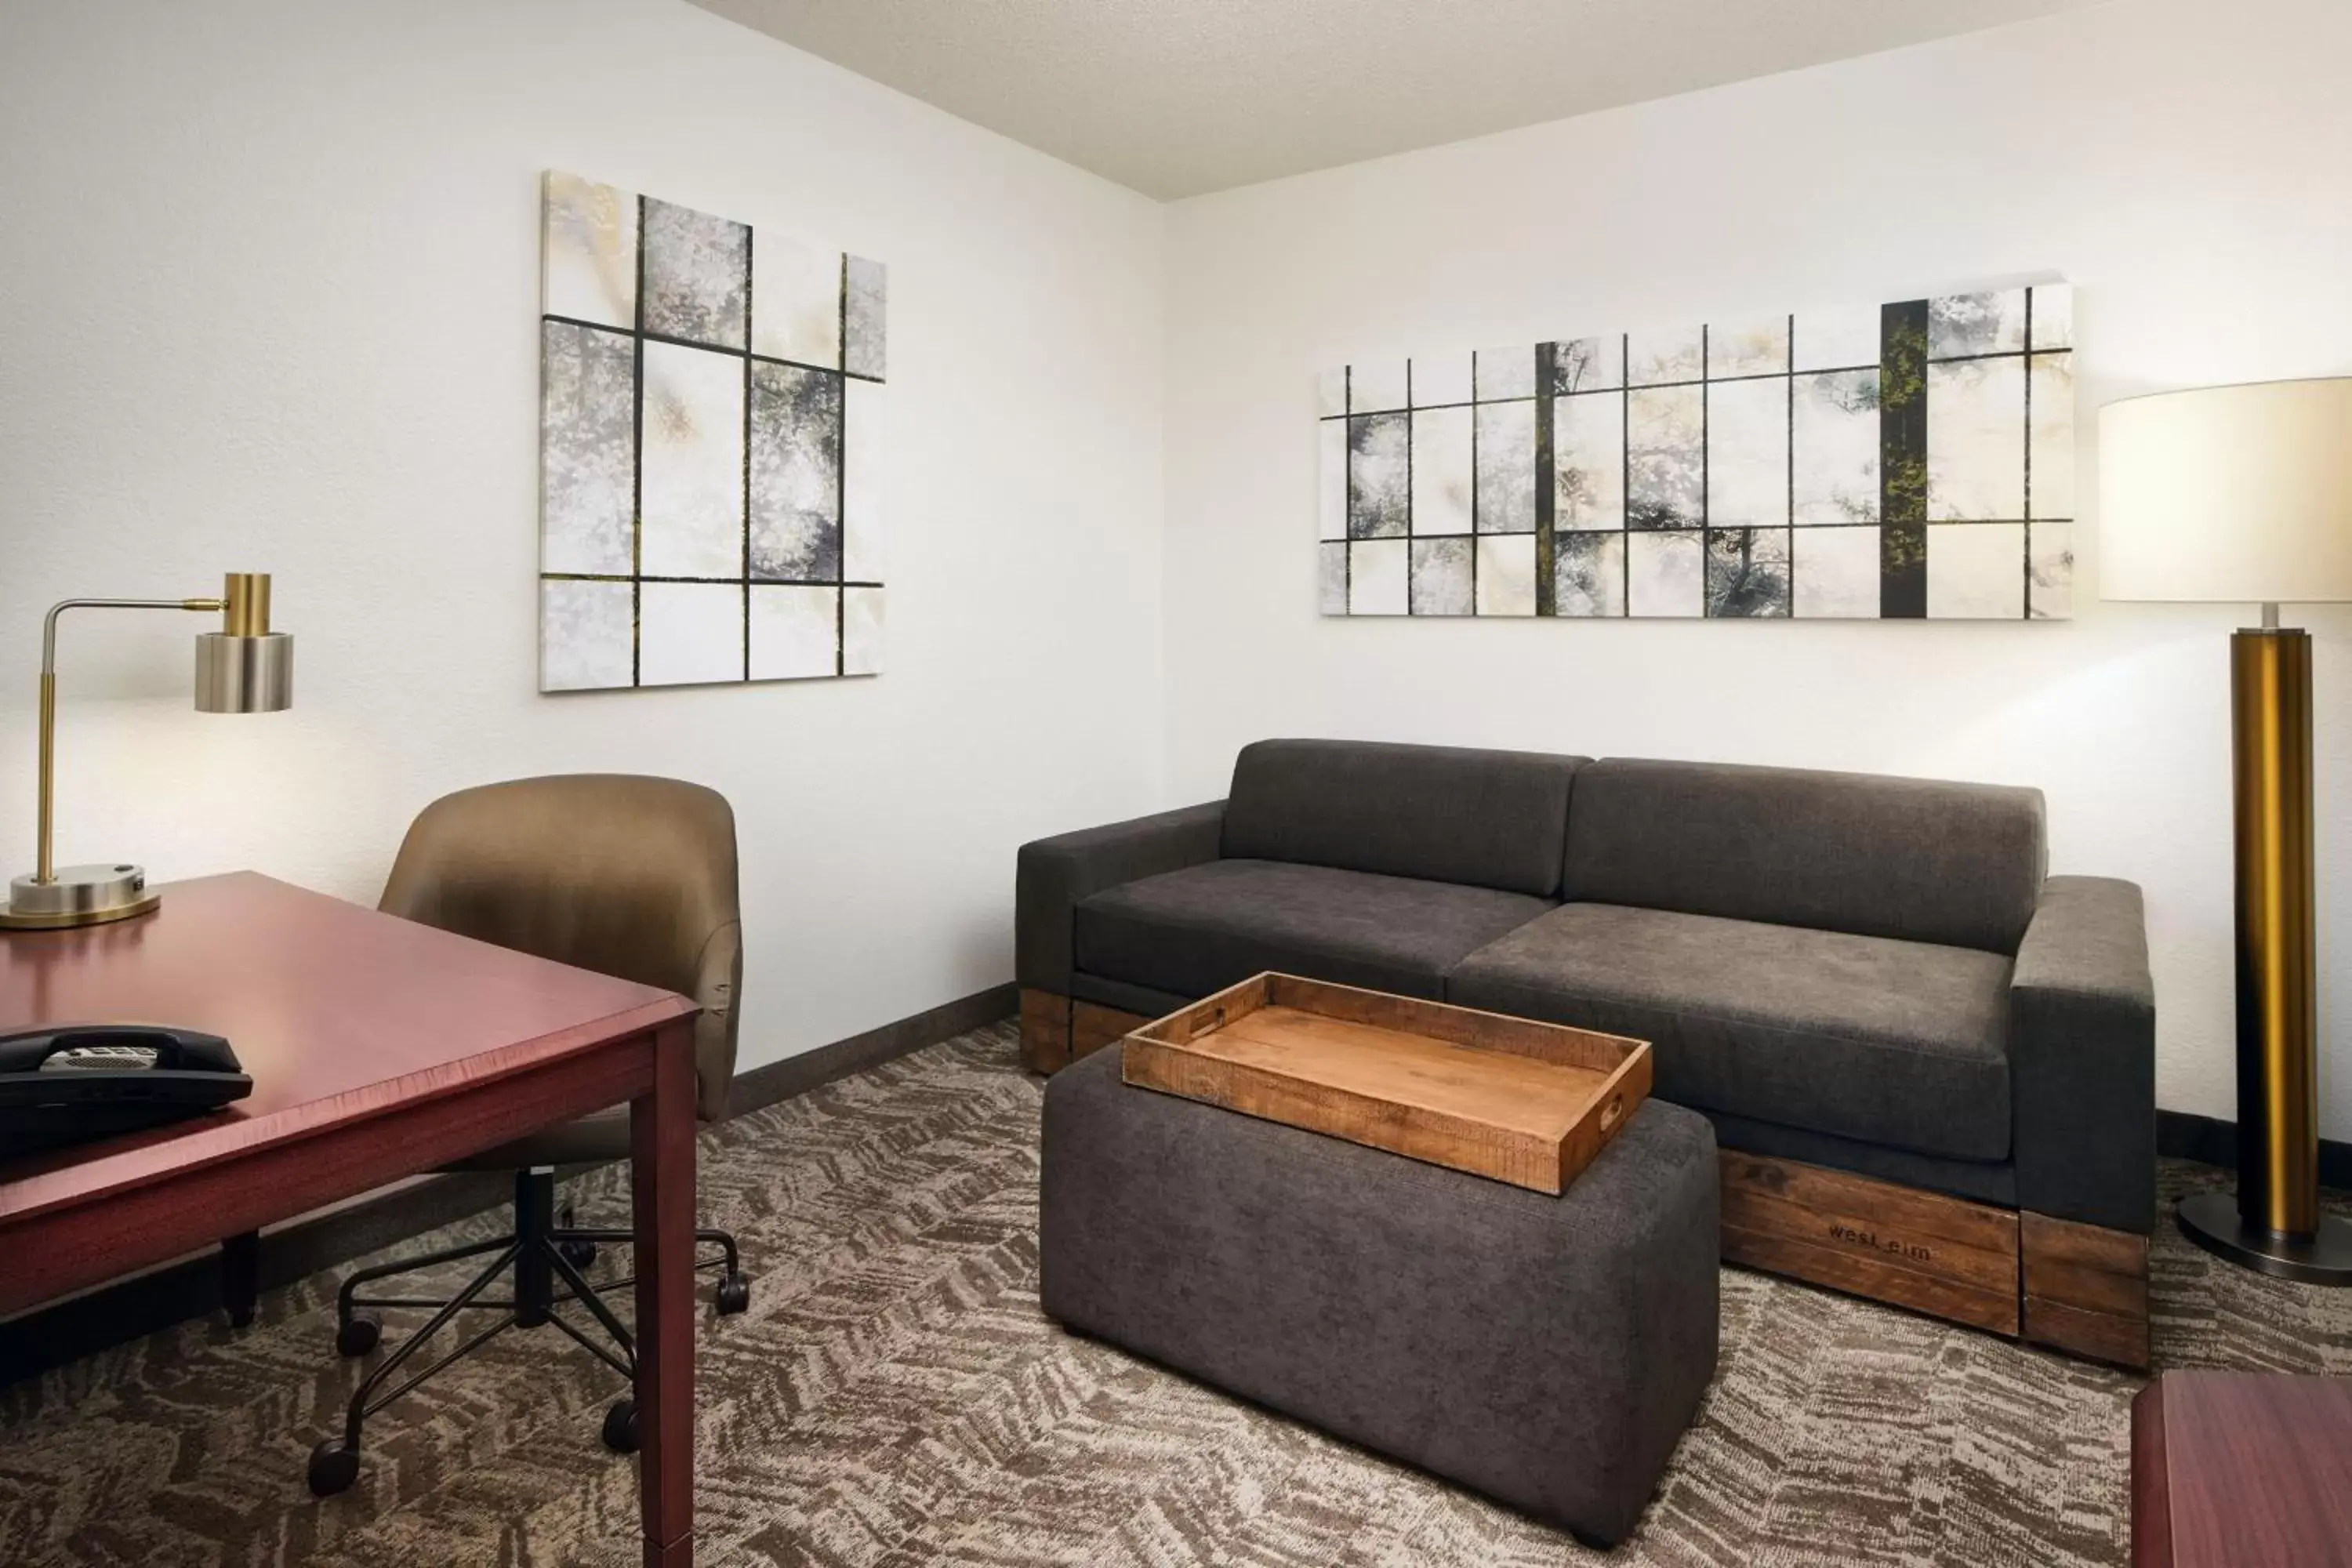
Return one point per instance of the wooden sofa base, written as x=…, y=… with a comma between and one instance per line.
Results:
x=2079, y=1288
x=2075, y=1288
x=1934, y=1254
x=2084, y=1289
x=1057, y=1031
x=1044, y=1031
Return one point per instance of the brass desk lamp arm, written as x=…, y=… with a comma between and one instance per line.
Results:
x=45, y=869
x=49, y=622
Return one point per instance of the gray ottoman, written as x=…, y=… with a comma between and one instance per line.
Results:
x=1547, y=1352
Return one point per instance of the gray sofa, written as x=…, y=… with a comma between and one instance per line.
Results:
x=1863, y=975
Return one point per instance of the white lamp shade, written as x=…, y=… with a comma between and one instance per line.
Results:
x=2229, y=493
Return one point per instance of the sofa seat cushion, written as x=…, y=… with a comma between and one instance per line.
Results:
x=1903, y=1044
x=1207, y=926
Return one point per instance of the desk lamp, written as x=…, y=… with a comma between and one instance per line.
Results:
x=244, y=667
x=2243, y=494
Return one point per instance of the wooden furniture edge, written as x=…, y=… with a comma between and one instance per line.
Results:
x=1044, y=1031
x=1628, y=1084
x=1879, y=1239
x=662, y=1174
x=1056, y=1030
x=1094, y=1025
x=71, y=1183
x=2114, y=1338
x=153, y=1222
x=1415, y=1133
x=67, y=1329
x=1933, y=1253
x=1455, y=1024
x=1180, y=1054
x=2151, y=1490
x=1212, y=1012
x=1933, y=1215
x=2242, y=1469
x=1832, y=1268
x=2061, y=1284
x=2083, y=1289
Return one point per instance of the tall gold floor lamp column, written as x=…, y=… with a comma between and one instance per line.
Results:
x=2243, y=494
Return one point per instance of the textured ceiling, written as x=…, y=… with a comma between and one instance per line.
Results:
x=1178, y=96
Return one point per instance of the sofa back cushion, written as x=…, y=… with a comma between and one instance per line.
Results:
x=1920, y=860
x=1484, y=819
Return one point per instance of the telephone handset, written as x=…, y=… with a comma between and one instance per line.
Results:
x=65, y=1083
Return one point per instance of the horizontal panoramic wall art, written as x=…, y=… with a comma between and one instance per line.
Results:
x=710, y=433
x=1897, y=461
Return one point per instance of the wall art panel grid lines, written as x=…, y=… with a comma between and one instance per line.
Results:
x=1903, y=461
x=709, y=447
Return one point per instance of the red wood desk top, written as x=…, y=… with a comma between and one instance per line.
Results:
x=377, y=1047
x=2236, y=1469
x=337, y=1011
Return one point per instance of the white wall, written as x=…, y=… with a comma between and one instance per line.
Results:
x=267, y=297
x=2185, y=164
x=268, y=302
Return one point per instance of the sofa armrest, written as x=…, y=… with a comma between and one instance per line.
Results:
x=1053, y=875
x=2083, y=1057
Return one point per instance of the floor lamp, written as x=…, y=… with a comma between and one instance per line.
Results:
x=2243, y=494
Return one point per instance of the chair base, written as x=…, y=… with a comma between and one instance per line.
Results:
x=547, y=1259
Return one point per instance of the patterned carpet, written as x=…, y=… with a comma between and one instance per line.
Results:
x=893, y=1398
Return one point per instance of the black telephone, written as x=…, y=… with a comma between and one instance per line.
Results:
x=67, y=1083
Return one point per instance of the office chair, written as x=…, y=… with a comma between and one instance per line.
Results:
x=630, y=876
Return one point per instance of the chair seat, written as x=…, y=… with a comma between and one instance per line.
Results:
x=1207, y=926
x=597, y=1139
x=1902, y=1044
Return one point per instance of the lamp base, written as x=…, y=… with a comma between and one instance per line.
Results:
x=78, y=896
x=2324, y=1258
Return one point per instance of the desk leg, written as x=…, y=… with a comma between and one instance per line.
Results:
x=241, y=1277
x=661, y=1139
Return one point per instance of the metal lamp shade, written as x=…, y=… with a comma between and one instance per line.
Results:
x=245, y=674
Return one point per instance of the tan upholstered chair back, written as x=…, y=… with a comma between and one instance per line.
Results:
x=627, y=876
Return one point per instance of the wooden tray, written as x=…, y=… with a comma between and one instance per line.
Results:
x=1527, y=1103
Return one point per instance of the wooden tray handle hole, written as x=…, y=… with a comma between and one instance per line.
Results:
x=1191, y=1027
x=1611, y=1112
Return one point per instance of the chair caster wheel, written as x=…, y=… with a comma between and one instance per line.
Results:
x=733, y=1295
x=357, y=1338
x=334, y=1469
x=620, y=1427
x=581, y=1255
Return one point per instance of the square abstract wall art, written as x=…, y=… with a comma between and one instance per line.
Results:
x=710, y=445
x=1905, y=461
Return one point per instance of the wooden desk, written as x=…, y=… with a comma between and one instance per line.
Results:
x=2242, y=1469
x=378, y=1048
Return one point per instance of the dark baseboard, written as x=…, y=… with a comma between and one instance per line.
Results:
x=764, y=1087
x=2213, y=1142
x=128, y=1309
